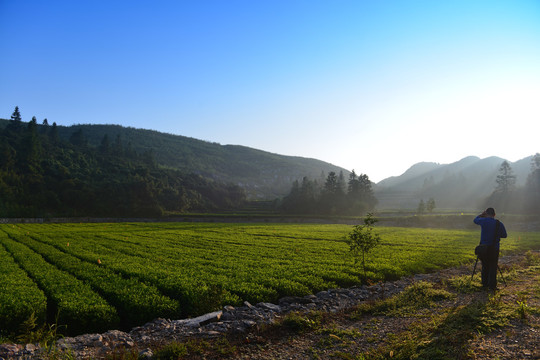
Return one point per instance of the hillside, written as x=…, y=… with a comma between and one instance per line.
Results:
x=463, y=184
x=43, y=175
x=262, y=174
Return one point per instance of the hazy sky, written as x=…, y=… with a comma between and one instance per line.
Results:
x=373, y=86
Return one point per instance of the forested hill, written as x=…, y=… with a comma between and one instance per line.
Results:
x=261, y=174
x=44, y=175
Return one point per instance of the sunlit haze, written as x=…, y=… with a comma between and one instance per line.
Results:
x=373, y=86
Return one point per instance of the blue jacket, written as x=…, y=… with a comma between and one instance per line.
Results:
x=488, y=230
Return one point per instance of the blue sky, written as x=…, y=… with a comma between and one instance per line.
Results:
x=373, y=86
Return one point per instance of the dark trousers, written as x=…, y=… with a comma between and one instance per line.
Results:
x=489, y=268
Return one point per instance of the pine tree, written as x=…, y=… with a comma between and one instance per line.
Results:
x=331, y=185
x=533, y=185
x=341, y=183
x=32, y=148
x=353, y=183
x=535, y=162
x=53, y=133
x=430, y=205
x=16, y=116
x=360, y=193
x=506, y=180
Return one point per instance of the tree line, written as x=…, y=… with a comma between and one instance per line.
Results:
x=333, y=196
x=43, y=175
x=509, y=198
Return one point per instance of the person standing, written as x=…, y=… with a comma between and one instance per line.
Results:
x=492, y=231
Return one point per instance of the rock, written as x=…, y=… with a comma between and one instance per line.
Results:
x=30, y=348
x=228, y=316
x=249, y=323
x=322, y=295
x=296, y=300
x=146, y=354
x=200, y=320
x=269, y=306
x=9, y=350
x=248, y=305
x=339, y=291
x=118, y=338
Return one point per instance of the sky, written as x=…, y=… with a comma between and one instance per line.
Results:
x=374, y=86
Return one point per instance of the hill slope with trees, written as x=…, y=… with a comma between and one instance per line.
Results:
x=110, y=170
x=261, y=174
x=44, y=175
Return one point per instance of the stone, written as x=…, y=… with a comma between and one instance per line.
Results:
x=9, y=350
x=30, y=348
x=296, y=300
x=146, y=354
x=201, y=320
x=322, y=294
x=249, y=323
x=228, y=316
x=269, y=306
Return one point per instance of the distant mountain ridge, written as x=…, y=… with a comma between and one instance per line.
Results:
x=463, y=184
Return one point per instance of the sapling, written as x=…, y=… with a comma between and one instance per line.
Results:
x=362, y=239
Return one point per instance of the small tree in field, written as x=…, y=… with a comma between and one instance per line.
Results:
x=362, y=239
x=430, y=206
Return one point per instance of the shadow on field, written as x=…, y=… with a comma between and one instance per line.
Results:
x=450, y=338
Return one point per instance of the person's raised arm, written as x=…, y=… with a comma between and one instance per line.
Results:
x=477, y=218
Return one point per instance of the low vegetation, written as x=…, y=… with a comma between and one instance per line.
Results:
x=96, y=276
x=437, y=319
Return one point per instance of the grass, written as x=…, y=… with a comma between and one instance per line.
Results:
x=414, y=298
x=426, y=320
x=195, y=349
x=441, y=322
x=451, y=329
x=199, y=267
x=447, y=335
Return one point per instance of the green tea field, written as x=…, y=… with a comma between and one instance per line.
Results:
x=95, y=277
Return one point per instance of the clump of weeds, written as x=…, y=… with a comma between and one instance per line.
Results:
x=420, y=295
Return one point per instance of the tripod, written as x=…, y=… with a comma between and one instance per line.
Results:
x=502, y=277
